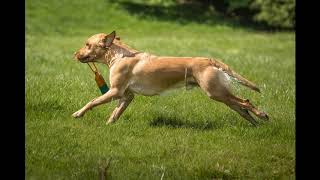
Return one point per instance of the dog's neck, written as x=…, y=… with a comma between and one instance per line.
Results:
x=116, y=52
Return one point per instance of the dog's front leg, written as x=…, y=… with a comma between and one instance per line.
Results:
x=112, y=94
x=122, y=105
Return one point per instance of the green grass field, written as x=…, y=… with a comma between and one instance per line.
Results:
x=180, y=135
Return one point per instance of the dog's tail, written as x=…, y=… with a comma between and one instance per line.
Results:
x=225, y=68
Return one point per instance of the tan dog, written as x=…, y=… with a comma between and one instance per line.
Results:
x=133, y=72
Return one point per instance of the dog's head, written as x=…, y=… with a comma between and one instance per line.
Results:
x=95, y=47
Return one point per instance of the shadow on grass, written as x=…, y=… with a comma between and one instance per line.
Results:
x=185, y=13
x=178, y=123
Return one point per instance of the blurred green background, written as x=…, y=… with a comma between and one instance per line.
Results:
x=181, y=135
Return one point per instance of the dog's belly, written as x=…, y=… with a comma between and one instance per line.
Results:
x=143, y=89
x=149, y=88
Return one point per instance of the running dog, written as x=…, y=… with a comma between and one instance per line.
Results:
x=134, y=72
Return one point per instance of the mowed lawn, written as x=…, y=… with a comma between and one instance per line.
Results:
x=179, y=135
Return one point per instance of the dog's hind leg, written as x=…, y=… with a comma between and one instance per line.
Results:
x=234, y=106
x=245, y=104
x=244, y=113
x=214, y=84
x=242, y=106
x=121, y=107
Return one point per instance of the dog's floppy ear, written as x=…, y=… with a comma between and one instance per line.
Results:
x=108, y=39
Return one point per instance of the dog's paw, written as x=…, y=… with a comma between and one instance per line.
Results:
x=78, y=114
x=264, y=116
x=110, y=121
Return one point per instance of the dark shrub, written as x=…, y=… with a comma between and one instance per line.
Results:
x=278, y=13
